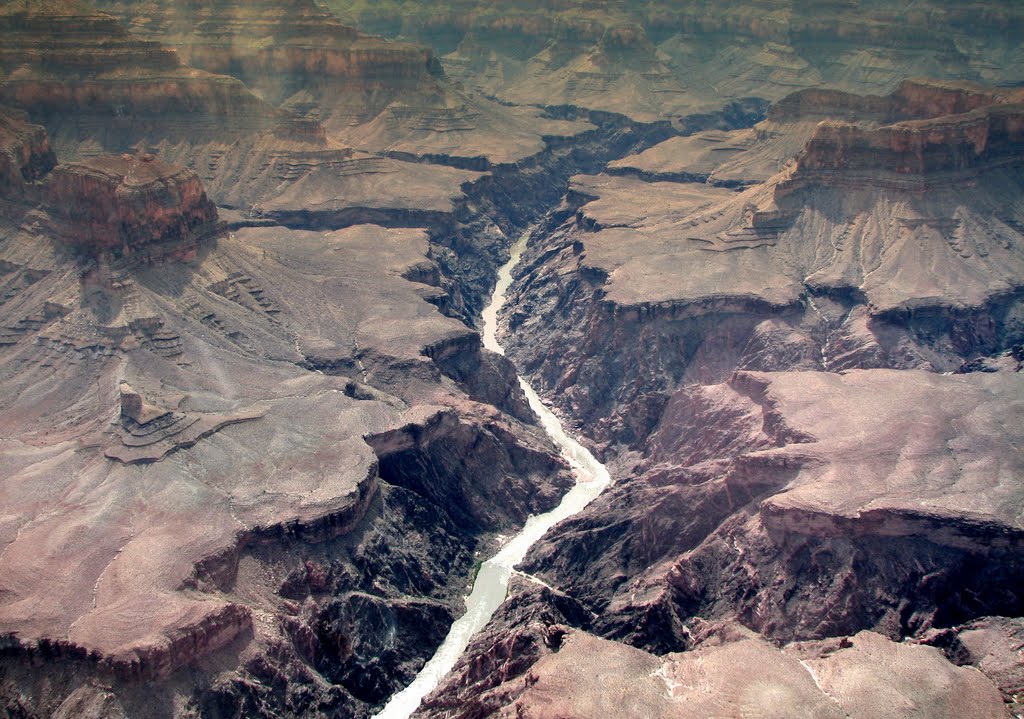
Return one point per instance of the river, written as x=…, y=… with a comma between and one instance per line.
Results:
x=492, y=580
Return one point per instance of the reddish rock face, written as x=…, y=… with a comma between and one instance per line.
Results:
x=122, y=203
x=951, y=143
x=912, y=100
x=25, y=154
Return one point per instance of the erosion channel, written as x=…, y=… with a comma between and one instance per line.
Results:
x=491, y=583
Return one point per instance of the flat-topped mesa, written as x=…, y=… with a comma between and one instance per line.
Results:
x=131, y=205
x=917, y=147
x=922, y=135
x=25, y=156
x=830, y=104
x=925, y=99
x=911, y=155
x=912, y=100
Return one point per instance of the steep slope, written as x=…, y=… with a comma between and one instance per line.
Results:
x=81, y=71
x=213, y=447
x=101, y=89
x=752, y=155
x=717, y=346
x=25, y=156
x=887, y=245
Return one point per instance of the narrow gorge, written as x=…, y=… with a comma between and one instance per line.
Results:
x=296, y=297
x=490, y=585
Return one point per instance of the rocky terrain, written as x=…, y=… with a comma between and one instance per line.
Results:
x=252, y=449
x=825, y=265
x=251, y=452
x=663, y=60
x=293, y=151
x=373, y=94
x=782, y=366
x=231, y=428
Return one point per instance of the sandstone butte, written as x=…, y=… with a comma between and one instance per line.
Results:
x=251, y=448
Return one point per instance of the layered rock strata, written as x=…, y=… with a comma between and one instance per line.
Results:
x=660, y=60
x=233, y=497
x=715, y=345
x=269, y=462
x=286, y=49
x=825, y=265
x=111, y=82
x=753, y=155
x=101, y=89
x=124, y=204
x=375, y=94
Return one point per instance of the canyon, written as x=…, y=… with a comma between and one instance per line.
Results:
x=257, y=440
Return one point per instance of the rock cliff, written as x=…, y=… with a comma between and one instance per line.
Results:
x=286, y=49
x=752, y=155
x=231, y=522
x=770, y=483
x=251, y=448
x=126, y=204
x=913, y=263
x=93, y=68
x=25, y=156
x=372, y=93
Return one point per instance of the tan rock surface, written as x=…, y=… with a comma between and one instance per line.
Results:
x=695, y=158
x=232, y=437
x=914, y=214
x=958, y=460
x=128, y=93
x=92, y=65
x=870, y=677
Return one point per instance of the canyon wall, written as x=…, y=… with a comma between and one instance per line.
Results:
x=252, y=448
x=789, y=382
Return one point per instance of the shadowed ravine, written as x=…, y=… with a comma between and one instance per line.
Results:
x=491, y=583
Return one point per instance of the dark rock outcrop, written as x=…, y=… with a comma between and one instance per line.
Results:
x=806, y=506
x=914, y=262
x=268, y=561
